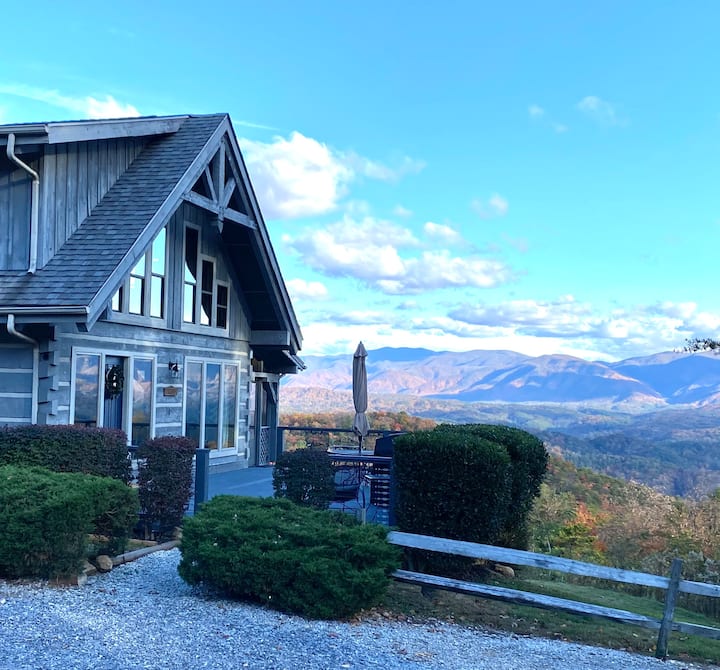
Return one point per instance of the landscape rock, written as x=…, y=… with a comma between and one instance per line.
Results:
x=104, y=563
x=505, y=571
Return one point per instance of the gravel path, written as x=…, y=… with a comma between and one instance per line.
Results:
x=142, y=615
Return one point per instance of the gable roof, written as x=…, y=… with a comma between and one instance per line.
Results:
x=85, y=272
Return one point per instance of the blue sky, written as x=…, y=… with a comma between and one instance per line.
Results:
x=539, y=177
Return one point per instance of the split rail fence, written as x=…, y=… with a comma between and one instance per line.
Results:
x=672, y=585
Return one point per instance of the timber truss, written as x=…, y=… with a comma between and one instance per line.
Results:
x=221, y=189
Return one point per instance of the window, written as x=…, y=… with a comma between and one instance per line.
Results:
x=190, y=276
x=141, y=400
x=129, y=408
x=211, y=401
x=143, y=293
x=229, y=406
x=205, y=298
x=87, y=389
x=137, y=288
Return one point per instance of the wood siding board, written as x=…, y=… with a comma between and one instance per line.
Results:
x=60, y=199
x=46, y=213
x=92, y=177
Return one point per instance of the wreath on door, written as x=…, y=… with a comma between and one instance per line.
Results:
x=114, y=380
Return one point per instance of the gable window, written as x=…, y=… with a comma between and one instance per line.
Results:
x=143, y=294
x=211, y=404
x=205, y=298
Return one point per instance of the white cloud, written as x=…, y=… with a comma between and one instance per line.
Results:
x=310, y=290
x=439, y=232
x=300, y=176
x=384, y=256
x=108, y=108
x=560, y=128
x=495, y=206
x=296, y=177
x=601, y=111
x=402, y=212
x=440, y=270
x=535, y=111
x=374, y=170
x=104, y=106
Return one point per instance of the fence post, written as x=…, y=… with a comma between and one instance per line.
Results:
x=202, y=476
x=670, y=599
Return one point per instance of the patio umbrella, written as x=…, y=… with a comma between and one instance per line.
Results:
x=360, y=426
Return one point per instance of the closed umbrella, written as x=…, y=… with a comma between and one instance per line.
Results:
x=360, y=426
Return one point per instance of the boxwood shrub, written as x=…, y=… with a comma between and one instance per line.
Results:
x=94, y=451
x=528, y=459
x=472, y=482
x=452, y=484
x=305, y=476
x=318, y=564
x=46, y=517
x=165, y=477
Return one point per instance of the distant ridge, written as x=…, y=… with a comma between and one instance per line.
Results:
x=641, y=383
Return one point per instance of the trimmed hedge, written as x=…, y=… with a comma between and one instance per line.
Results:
x=46, y=517
x=305, y=476
x=529, y=460
x=165, y=476
x=93, y=451
x=318, y=564
x=452, y=484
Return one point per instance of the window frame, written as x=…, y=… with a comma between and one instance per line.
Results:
x=223, y=363
x=127, y=389
x=195, y=325
x=124, y=314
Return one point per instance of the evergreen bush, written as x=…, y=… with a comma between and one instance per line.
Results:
x=318, y=564
x=305, y=476
x=528, y=460
x=450, y=483
x=165, y=477
x=46, y=517
x=93, y=451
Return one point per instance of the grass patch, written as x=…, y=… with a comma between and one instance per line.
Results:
x=405, y=601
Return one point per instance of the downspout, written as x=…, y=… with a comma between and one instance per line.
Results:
x=34, y=203
x=36, y=361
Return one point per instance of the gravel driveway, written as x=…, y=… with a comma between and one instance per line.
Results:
x=142, y=615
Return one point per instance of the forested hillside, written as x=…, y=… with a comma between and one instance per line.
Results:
x=588, y=515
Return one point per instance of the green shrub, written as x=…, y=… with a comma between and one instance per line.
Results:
x=165, y=475
x=318, y=564
x=93, y=451
x=305, y=476
x=45, y=519
x=451, y=484
x=528, y=459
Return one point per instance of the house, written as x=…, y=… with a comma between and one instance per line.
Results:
x=138, y=286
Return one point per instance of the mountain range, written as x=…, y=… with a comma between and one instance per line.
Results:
x=635, y=384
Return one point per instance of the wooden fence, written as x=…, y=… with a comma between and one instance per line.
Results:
x=671, y=585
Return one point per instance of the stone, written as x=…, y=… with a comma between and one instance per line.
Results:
x=89, y=569
x=505, y=571
x=104, y=563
